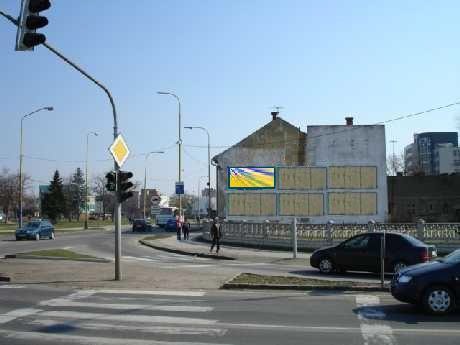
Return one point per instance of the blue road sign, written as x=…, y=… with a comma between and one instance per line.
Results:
x=179, y=188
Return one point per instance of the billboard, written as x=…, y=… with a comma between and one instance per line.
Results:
x=251, y=177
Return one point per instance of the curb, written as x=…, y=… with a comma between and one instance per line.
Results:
x=183, y=252
x=39, y=257
x=230, y=286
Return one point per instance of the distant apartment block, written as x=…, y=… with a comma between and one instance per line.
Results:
x=421, y=157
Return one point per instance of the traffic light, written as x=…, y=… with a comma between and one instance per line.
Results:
x=29, y=21
x=111, y=184
x=124, y=185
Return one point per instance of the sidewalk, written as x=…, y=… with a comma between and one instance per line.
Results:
x=195, y=247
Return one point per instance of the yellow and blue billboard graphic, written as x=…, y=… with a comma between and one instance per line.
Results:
x=251, y=177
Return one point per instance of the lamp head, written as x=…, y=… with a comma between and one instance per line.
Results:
x=49, y=108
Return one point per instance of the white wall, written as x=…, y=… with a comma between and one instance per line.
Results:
x=351, y=146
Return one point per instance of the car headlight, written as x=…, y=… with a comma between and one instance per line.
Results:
x=404, y=279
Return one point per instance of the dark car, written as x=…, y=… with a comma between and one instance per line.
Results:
x=362, y=253
x=36, y=230
x=170, y=225
x=141, y=225
x=434, y=285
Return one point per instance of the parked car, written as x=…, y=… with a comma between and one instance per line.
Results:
x=170, y=225
x=36, y=230
x=434, y=285
x=362, y=253
x=141, y=225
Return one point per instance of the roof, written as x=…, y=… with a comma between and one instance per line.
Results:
x=273, y=123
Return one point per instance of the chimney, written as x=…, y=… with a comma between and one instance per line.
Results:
x=275, y=114
x=349, y=120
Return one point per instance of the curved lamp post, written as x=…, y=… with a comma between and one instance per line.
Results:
x=21, y=158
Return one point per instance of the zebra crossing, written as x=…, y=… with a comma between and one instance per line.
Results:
x=114, y=317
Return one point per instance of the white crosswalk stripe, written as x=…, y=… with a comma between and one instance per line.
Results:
x=93, y=320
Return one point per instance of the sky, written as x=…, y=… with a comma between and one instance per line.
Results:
x=229, y=62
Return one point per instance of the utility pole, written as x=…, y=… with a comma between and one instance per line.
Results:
x=209, y=166
x=86, y=177
x=394, y=156
x=179, y=142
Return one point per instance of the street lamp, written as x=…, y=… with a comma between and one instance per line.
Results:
x=145, y=175
x=21, y=158
x=209, y=166
x=179, y=143
x=86, y=177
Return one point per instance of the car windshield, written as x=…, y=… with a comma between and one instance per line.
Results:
x=33, y=225
x=452, y=258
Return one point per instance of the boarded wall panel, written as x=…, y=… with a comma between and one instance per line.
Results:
x=267, y=205
x=352, y=203
x=352, y=177
x=368, y=203
x=302, y=178
x=318, y=178
x=286, y=178
x=287, y=204
x=315, y=205
x=336, y=177
x=368, y=177
x=301, y=204
x=252, y=205
x=236, y=204
x=336, y=203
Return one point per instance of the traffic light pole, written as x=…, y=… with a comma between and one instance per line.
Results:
x=115, y=134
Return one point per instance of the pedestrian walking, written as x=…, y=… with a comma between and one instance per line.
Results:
x=186, y=230
x=178, y=228
x=215, y=236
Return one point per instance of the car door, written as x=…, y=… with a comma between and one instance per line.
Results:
x=352, y=254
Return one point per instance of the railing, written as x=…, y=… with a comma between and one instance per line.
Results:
x=311, y=235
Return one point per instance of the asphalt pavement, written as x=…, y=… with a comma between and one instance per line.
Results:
x=39, y=315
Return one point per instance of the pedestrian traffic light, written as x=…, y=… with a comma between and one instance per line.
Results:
x=111, y=184
x=124, y=185
x=29, y=21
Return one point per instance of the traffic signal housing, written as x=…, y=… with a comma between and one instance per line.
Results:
x=124, y=185
x=111, y=184
x=29, y=21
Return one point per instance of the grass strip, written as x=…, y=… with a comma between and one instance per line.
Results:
x=59, y=253
x=257, y=279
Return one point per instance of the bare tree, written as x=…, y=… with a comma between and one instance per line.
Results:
x=9, y=192
x=395, y=164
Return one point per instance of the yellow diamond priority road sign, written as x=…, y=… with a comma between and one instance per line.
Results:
x=119, y=150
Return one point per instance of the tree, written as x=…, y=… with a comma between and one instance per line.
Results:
x=395, y=164
x=78, y=192
x=188, y=203
x=9, y=192
x=53, y=205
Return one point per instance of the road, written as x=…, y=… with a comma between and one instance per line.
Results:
x=39, y=315
x=101, y=244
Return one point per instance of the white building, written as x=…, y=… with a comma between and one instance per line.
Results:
x=447, y=159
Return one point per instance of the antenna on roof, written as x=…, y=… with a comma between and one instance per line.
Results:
x=276, y=110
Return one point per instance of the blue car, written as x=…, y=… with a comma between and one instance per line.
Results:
x=36, y=230
x=170, y=225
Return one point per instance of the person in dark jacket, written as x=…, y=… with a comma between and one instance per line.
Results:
x=215, y=235
x=186, y=230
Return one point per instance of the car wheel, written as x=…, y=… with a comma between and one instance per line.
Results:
x=399, y=265
x=325, y=265
x=438, y=300
x=52, y=236
x=37, y=237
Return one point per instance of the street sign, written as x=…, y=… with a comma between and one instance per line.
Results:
x=119, y=150
x=155, y=200
x=155, y=210
x=179, y=188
